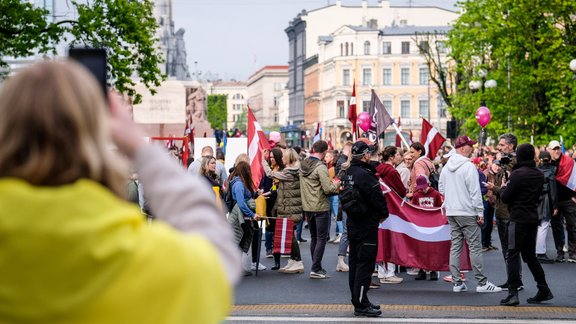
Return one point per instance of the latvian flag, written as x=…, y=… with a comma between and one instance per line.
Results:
x=416, y=237
x=283, y=236
x=431, y=139
x=256, y=144
x=566, y=174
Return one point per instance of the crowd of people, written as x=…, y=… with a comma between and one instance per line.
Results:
x=64, y=195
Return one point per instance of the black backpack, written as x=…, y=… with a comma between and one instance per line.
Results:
x=350, y=197
x=434, y=178
x=228, y=199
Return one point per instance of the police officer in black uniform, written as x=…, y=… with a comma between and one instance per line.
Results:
x=366, y=207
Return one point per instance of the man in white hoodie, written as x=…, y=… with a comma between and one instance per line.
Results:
x=460, y=185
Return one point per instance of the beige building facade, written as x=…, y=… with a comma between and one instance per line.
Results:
x=265, y=89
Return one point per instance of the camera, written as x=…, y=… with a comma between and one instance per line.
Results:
x=505, y=159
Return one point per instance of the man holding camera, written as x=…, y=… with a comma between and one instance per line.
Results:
x=506, y=148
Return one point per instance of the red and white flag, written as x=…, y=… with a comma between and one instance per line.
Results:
x=257, y=142
x=318, y=135
x=283, y=236
x=431, y=139
x=567, y=172
x=398, y=139
x=352, y=114
x=330, y=144
x=416, y=237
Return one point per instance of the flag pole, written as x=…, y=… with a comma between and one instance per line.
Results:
x=400, y=134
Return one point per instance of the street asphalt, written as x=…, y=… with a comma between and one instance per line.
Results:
x=270, y=290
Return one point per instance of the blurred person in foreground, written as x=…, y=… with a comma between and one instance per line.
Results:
x=73, y=249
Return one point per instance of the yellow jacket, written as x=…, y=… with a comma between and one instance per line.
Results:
x=79, y=254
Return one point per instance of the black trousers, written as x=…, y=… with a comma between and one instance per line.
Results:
x=363, y=249
x=566, y=213
x=522, y=243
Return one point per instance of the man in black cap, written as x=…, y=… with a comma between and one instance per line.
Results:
x=522, y=194
x=365, y=205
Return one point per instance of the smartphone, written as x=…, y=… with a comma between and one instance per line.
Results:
x=484, y=183
x=94, y=60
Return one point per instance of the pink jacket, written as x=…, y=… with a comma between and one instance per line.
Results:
x=422, y=166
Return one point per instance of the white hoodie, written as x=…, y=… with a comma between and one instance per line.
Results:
x=460, y=185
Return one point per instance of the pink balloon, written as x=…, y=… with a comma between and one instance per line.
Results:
x=275, y=136
x=483, y=116
x=364, y=121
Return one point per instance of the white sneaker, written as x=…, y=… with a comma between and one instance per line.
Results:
x=412, y=271
x=391, y=280
x=460, y=288
x=488, y=288
x=290, y=261
x=337, y=239
x=260, y=267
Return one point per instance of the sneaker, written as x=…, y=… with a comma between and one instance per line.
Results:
x=337, y=239
x=493, y=248
x=302, y=240
x=391, y=280
x=459, y=287
x=367, y=311
x=571, y=259
x=322, y=274
x=485, y=249
x=448, y=278
x=374, y=284
x=560, y=257
x=413, y=271
x=294, y=267
x=488, y=288
x=260, y=267
x=421, y=275
x=505, y=287
x=269, y=254
x=433, y=275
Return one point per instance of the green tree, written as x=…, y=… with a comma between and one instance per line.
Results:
x=528, y=45
x=217, y=111
x=242, y=121
x=125, y=28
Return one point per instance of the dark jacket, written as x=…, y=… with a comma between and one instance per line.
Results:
x=391, y=178
x=549, y=200
x=341, y=160
x=523, y=192
x=363, y=177
x=500, y=207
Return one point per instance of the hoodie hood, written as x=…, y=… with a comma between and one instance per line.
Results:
x=307, y=166
x=61, y=246
x=456, y=161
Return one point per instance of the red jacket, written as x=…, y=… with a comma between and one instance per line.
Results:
x=431, y=198
x=391, y=178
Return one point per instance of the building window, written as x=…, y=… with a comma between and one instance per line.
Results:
x=276, y=118
x=346, y=77
x=405, y=76
x=405, y=47
x=237, y=97
x=366, y=48
x=366, y=77
x=424, y=76
x=388, y=105
x=424, y=47
x=341, y=49
x=405, y=108
x=441, y=47
x=365, y=105
x=386, y=47
x=341, y=109
x=346, y=49
x=441, y=106
x=387, y=76
x=352, y=49
x=423, y=108
x=235, y=118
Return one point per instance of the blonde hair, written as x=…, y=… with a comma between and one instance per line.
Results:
x=291, y=156
x=54, y=129
x=242, y=157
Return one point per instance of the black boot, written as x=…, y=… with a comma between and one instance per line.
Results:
x=433, y=275
x=511, y=300
x=367, y=311
x=421, y=275
x=276, y=262
x=543, y=294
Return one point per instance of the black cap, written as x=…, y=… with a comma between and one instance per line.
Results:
x=360, y=148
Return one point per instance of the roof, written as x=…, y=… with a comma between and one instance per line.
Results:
x=269, y=67
x=448, y=5
x=411, y=30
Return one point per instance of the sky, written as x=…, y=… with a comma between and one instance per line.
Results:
x=232, y=39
